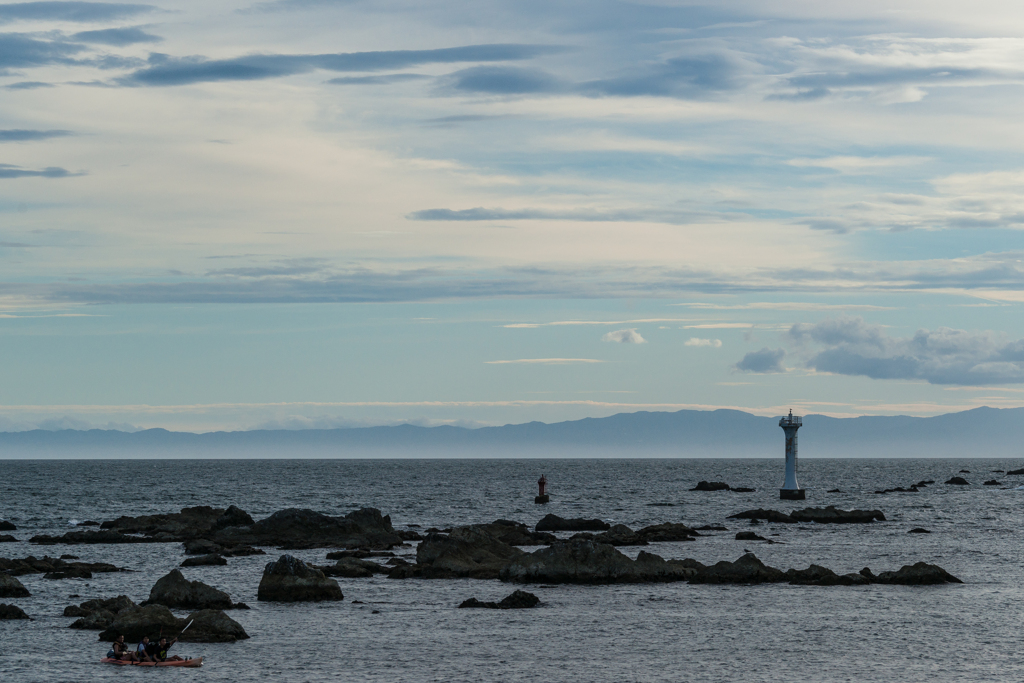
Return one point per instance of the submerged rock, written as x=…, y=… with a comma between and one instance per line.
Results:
x=204, y=546
x=667, y=532
x=1021, y=471
x=517, y=600
x=174, y=590
x=467, y=552
x=711, y=486
x=12, y=612
x=957, y=481
x=292, y=580
x=90, y=537
x=918, y=530
x=7, y=526
x=767, y=515
x=556, y=523
x=212, y=560
x=583, y=561
x=353, y=568
x=832, y=515
x=47, y=565
x=10, y=587
x=620, y=534
x=993, y=482
x=749, y=536
x=7, y=538
x=69, y=573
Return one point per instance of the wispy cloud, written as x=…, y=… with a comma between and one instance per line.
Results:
x=543, y=361
x=117, y=37
x=22, y=135
x=57, y=10
x=697, y=341
x=629, y=336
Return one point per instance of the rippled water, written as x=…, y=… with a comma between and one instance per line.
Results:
x=670, y=632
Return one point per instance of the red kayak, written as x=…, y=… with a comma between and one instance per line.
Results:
x=195, y=661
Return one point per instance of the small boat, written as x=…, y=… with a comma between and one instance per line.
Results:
x=195, y=661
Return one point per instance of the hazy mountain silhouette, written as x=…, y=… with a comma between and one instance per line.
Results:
x=981, y=432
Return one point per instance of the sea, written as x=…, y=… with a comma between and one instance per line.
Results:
x=412, y=630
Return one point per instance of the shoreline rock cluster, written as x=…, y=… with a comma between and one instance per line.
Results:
x=720, y=486
x=53, y=568
x=825, y=515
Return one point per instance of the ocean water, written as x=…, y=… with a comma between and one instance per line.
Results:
x=412, y=630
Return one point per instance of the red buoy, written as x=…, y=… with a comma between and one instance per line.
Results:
x=542, y=485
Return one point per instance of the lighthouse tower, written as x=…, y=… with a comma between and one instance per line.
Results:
x=791, y=490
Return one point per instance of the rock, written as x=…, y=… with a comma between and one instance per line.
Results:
x=993, y=482
x=406, y=571
x=47, y=565
x=747, y=569
x=517, y=600
x=212, y=560
x=918, y=530
x=359, y=554
x=741, y=489
x=514, y=533
x=467, y=552
x=767, y=515
x=353, y=568
x=834, y=491
x=706, y=527
x=587, y=562
x=10, y=587
x=7, y=526
x=711, y=486
x=299, y=528
x=88, y=537
x=69, y=557
x=11, y=612
x=95, y=621
x=866, y=573
x=211, y=626
x=918, y=574
x=201, y=546
x=408, y=535
x=965, y=471
x=749, y=536
x=291, y=580
x=667, y=532
x=136, y=622
x=7, y=538
x=233, y=516
x=556, y=523
x=88, y=522
x=831, y=515
x=191, y=522
x=174, y=590
x=620, y=535
x=958, y=481
x=1021, y=471
x=69, y=573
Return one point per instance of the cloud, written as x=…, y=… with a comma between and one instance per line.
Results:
x=595, y=322
x=682, y=77
x=583, y=215
x=543, y=361
x=786, y=306
x=165, y=70
x=18, y=50
x=943, y=356
x=386, y=79
x=764, y=361
x=695, y=341
x=630, y=336
x=504, y=80
x=117, y=37
x=28, y=85
x=70, y=11
x=21, y=135
x=7, y=171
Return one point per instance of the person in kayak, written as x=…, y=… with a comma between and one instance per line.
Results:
x=142, y=652
x=162, y=647
x=120, y=651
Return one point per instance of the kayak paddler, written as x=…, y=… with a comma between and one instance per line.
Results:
x=161, y=651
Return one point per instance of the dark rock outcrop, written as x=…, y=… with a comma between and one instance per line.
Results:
x=10, y=587
x=208, y=626
x=918, y=574
x=767, y=515
x=292, y=580
x=174, y=590
x=1021, y=471
x=203, y=546
x=711, y=486
x=11, y=612
x=47, y=565
x=957, y=481
x=556, y=523
x=69, y=573
x=7, y=526
x=816, y=575
x=918, y=530
x=467, y=552
x=832, y=515
x=97, y=615
x=299, y=528
x=191, y=522
x=620, y=534
x=993, y=482
x=7, y=538
x=233, y=516
x=359, y=554
x=517, y=600
x=211, y=560
x=587, y=562
x=749, y=536
x=747, y=569
x=353, y=568
x=514, y=533
x=90, y=537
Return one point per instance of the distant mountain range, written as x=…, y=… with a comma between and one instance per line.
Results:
x=981, y=432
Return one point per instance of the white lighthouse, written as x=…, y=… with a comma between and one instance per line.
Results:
x=791, y=490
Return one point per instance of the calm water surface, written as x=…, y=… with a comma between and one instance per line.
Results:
x=673, y=632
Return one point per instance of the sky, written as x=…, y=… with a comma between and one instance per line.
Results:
x=316, y=213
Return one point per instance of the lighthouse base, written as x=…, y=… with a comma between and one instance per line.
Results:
x=791, y=494
x=540, y=500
